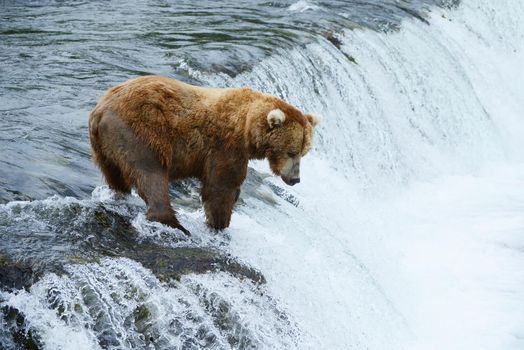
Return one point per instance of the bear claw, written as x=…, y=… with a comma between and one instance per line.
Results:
x=184, y=230
x=168, y=220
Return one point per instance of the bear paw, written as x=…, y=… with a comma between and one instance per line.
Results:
x=167, y=219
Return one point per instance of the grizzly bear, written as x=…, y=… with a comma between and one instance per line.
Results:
x=150, y=130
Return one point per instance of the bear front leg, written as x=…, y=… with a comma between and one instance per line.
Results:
x=218, y=205
x=224, y=172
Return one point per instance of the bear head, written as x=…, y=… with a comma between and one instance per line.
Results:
x=286, y=137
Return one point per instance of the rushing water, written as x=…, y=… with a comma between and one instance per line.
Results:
x=405, y=232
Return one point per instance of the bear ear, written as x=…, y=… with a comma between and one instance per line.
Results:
x=275, y=118
x=313, y=119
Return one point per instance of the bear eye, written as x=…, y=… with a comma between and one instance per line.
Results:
x=291, y=154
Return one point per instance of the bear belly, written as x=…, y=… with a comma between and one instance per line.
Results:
x=188, y=153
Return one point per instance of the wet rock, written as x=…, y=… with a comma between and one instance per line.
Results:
x=333, y=39
x=17, y=336
x=73, y=233
x=13, y=275
x=169, y=263
x=119, y=238
x=228, y=321
x=58, y=235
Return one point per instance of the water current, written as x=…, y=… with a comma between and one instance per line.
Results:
x=404, y=233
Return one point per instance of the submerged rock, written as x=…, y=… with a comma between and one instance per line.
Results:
x=14, y=275
x=334, y=39
x=169, y=263
x=44, y=237
x=15, y=334
x=97, y=270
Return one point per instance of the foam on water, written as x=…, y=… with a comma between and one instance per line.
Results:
x=405, y=231
x=117, y=303
x=411, y=208
x=303, y=5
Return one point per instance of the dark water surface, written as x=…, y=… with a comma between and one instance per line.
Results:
x=57, y=58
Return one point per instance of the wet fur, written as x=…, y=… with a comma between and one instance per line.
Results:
x=150, y=130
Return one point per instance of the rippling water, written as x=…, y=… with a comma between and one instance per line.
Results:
x=58, y=57
x=404, y=233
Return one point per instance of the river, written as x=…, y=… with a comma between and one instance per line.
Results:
x=404, y=233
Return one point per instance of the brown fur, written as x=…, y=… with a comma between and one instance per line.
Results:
x=150, y=130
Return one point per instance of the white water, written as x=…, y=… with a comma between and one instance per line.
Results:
x=410, y=227
x=411, y=224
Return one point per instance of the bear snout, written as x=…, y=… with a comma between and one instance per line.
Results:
x=295, y=181
x=291, y=181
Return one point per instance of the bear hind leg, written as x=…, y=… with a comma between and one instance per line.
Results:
x=114, y=177
x=153, y=188
x=135, y=164
x=113, y=174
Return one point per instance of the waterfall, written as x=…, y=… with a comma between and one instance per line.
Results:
x=403, y=233
x=401, y=175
